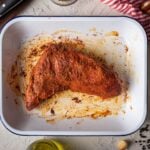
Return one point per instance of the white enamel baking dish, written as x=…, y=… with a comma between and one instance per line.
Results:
x=19, y=29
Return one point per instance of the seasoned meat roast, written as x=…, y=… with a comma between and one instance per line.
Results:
x=62, y=67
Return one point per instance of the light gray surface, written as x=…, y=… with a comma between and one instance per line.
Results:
x=82, y=7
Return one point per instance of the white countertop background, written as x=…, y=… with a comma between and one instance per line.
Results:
x=9, y=141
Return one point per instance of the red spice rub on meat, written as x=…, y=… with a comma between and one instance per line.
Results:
x=61, y=67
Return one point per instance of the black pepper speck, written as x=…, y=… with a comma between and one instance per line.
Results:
x=143, y=147
x=144, y=141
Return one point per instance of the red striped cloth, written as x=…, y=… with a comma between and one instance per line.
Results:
x=131, y=8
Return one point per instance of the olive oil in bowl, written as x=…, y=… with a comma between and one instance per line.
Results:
x=45, y=144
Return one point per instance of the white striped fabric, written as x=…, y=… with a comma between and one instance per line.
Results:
x=131, y=8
